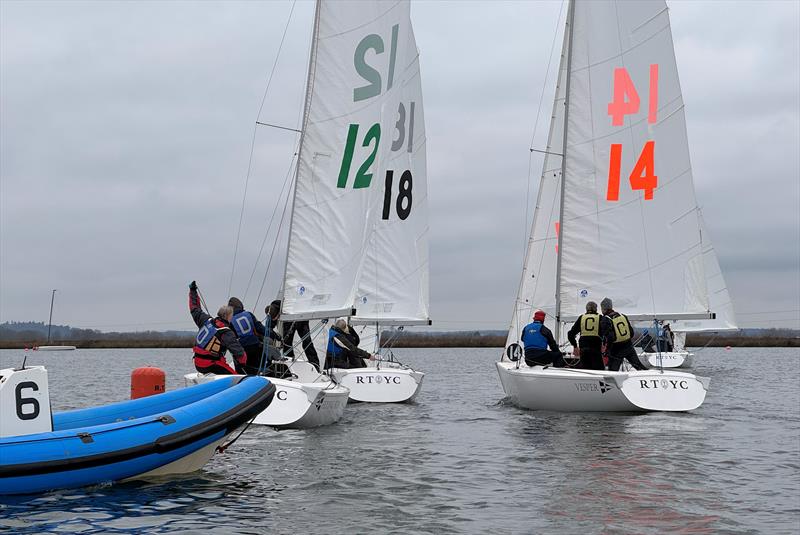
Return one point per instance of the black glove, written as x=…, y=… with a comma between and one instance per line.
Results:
x=193, y=286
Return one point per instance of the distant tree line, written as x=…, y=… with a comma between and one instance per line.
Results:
x=17, y=335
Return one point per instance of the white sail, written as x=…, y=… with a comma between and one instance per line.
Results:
x=537, y=288
x=353, y=93
x=718, y=297
x=393, y=288
x=630, y=228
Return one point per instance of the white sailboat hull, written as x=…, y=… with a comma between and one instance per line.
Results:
x=667, y=359
x=56, y=348
x=296, y=405
x=570, y=390
x=384, y=384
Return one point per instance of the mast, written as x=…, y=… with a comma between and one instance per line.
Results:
x=306, y=106
x=50, y=321
x=570, y=19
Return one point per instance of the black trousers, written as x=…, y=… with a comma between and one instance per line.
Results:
x=253, y=360
x=544, y=357
x=591, y=359
x=301, y=328
x=627, y=352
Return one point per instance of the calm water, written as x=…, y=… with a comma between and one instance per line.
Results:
x=459, y=460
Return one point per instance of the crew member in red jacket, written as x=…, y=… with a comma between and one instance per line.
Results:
x=214, y=338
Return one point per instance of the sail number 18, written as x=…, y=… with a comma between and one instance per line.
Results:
x=626, y=102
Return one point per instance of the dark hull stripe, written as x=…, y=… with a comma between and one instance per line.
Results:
x=227, y=421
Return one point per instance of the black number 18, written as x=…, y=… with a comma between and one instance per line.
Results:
x=404, y=199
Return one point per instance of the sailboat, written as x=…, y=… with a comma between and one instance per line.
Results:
x=616, y=214
x=358, y=74
x=49, y=327
x=720, y=302
x=393, y=284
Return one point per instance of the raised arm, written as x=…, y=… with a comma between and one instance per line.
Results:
x=195, y=309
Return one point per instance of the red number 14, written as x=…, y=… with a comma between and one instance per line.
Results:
x=626, y=102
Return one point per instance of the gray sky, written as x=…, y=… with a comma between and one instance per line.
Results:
x=125, y=132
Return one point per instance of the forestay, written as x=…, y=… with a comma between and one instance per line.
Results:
x=393, y=288
x=630, y=227
x=537, y=289
x=355, y=87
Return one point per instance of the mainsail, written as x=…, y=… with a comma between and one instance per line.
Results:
x=354, y=89
x=629, y=226
x=393, y=288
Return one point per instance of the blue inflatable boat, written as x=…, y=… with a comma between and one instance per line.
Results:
x=174, y=432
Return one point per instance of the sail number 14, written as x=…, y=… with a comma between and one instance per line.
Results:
x=626, y=102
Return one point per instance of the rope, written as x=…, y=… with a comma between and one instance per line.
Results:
x=223, y=447
x=203, y=302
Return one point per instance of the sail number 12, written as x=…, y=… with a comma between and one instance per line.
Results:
x=626, y=102
x=404, y=129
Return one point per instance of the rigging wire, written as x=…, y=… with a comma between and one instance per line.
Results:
x=253, y=144
x=536, y=126
x=286, y=181
x=286, y=205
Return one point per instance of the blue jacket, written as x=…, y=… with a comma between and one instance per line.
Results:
x=537, y=336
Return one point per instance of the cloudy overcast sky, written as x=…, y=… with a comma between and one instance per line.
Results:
x=126, y=130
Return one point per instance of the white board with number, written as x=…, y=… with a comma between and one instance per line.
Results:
x=24, y=402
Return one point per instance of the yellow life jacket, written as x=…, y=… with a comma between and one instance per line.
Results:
x=622, y=329
x=590, y=325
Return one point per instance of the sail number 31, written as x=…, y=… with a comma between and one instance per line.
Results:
x=626, y=102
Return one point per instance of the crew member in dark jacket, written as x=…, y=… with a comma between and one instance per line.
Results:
x=620, y=344
x=537, y=338
x=250, y=332
x=214, y=338
x=301, y=328
x=594, y=330
x=343, y=351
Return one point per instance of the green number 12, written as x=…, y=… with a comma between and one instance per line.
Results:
x=363, y=178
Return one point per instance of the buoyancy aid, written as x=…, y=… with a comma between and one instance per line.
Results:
x=622, y=328
x=245, y=328
x=333, y=348
x=590, y=325
x=532, y=336
x=208, y=343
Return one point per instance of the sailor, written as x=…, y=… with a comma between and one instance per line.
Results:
x=250, y=332
x=647, y=343
x=667, y=340
x=301, y=328
x=537, y=338
x=273, y=359
x=620, y=343
x=594, y=330
x=214, y=338
x=343, y=351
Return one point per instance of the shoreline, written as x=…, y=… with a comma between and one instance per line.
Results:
x=407, y=340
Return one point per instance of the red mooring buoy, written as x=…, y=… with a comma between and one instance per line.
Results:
x=147, y=381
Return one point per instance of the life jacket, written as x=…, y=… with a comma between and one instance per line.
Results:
x=334, y=350
x=622, y=328
x=532, y=336
x=208, y=343
x=590, y=325
x=245, y=328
